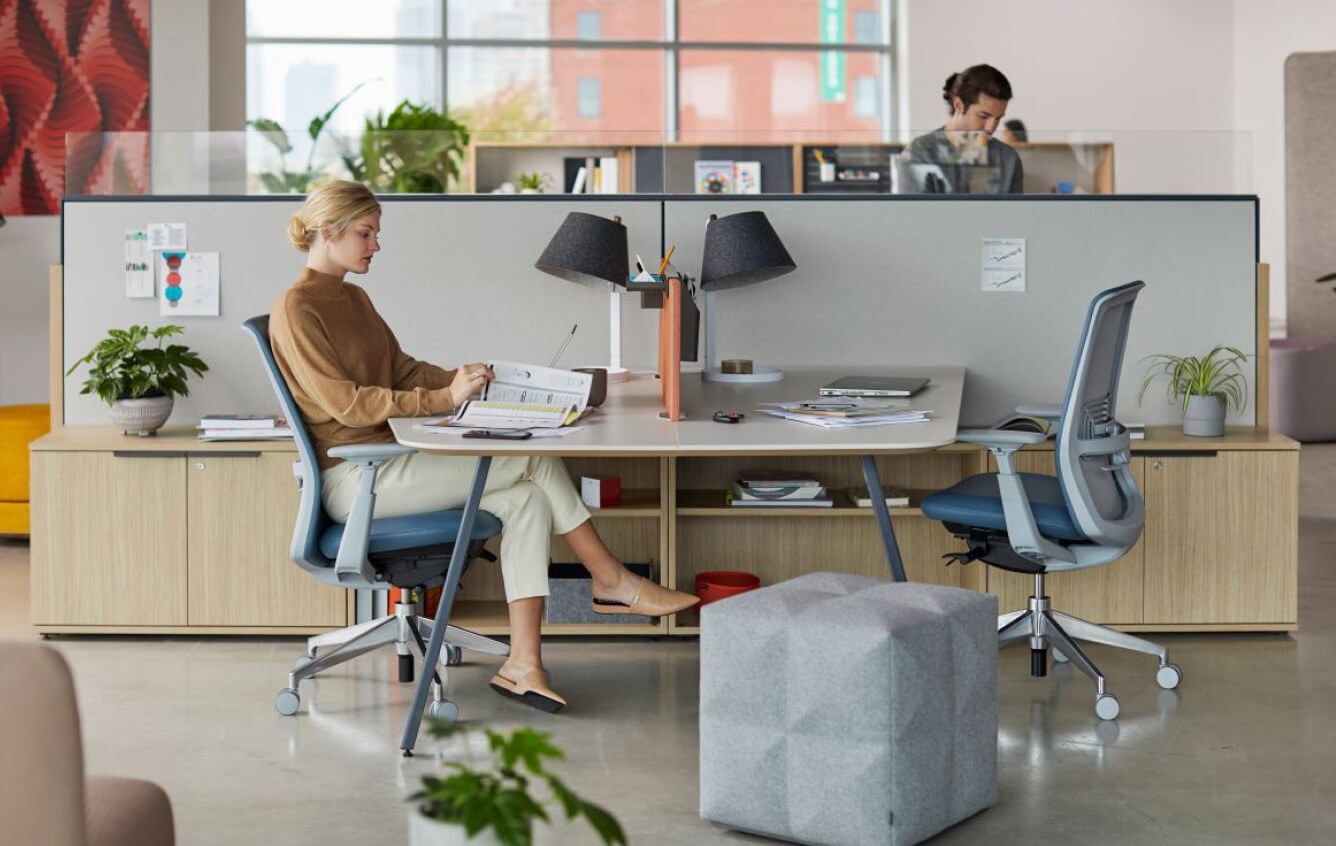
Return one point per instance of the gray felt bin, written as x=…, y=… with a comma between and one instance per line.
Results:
x=571, y=596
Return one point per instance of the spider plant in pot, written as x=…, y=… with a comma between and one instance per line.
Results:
x=138, y=382
x=497, y=804
x=1207, y=387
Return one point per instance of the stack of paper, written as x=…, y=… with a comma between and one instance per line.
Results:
x=847, y=412
x=243, y=427
x=778, y=489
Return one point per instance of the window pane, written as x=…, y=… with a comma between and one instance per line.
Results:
x=343, y=19
x=590, y=102
x=292, y=83
x=589, y=25
x=783, y=21
x=624, y=20
x=536, y=89
x=770, y=95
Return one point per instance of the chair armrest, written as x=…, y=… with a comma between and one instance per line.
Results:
x=1042, y=410
x=369, y=452
x=1004, y=439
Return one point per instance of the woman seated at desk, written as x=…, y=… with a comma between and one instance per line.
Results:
x=963, y=157
x=348, y=376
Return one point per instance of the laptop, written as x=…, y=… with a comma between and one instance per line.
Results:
x=874, y=386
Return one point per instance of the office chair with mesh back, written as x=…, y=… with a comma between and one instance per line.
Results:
x=1088, y=515
x=411, y=551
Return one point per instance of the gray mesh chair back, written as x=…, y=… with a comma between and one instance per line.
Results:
x=1093, y=450
x=311, y=517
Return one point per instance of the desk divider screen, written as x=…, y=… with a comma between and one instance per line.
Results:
x=879, y=279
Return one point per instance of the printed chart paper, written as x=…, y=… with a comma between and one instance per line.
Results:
x=189, y=284
x=138, y=264
x=167, y=236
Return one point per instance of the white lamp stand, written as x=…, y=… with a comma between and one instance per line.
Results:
x=712, y=373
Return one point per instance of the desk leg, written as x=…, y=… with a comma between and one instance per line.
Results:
x=873, y=479
x=458, y=558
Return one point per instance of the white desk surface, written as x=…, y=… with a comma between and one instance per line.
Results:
x=627, y=424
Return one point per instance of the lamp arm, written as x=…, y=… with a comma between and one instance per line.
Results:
x=707, y=317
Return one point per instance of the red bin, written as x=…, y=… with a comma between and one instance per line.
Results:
x=714, y=585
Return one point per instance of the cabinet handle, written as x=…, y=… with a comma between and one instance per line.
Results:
x=134, y=453
x=199, y=465
x=1158, y=465
x=227, y=454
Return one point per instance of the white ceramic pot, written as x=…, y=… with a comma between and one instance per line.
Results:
x=425, y=831
x=142, y=416
x=1205, y=417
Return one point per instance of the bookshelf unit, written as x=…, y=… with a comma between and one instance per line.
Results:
x=786, y=168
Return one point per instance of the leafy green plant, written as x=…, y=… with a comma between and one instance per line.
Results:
x=499, y=798
x=295, y=181
x=1330, y=277
x=535, y=181
x=1218, y=373
x=120, y=367
x=413, y=150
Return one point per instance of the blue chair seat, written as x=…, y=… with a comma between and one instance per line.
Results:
x=977, y=502
x=413, y=530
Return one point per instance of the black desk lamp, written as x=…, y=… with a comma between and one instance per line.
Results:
x=591, y=250
x=740, y=249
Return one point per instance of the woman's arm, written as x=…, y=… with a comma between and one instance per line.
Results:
x=310, y=357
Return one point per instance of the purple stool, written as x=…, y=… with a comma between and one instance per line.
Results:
x=1303, y=388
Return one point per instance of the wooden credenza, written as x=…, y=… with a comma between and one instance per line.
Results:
x=168, y=535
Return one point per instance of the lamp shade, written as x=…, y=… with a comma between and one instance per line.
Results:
x=587, y=249
x=742, y=249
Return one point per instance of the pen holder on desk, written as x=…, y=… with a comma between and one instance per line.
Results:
x=650, y=286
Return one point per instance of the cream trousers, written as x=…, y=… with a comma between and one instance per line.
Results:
x=531, y=496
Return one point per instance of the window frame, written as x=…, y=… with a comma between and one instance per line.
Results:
x=670, y=47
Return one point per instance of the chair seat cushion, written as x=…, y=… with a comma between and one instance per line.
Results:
x=413, y=530
x=976, y=502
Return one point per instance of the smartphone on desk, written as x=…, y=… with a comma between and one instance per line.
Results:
x=500, y=434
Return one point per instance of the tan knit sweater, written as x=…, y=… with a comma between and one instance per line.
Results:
x=344, y=366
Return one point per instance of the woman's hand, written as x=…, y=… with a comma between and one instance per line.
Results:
x=469, y=381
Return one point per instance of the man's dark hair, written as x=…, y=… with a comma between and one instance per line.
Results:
x=973, y=81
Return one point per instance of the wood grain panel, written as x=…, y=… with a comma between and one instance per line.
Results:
x=241, y=511
x=1222, y=538
x=56, y=352
x=1108, y=594
x=108, y=539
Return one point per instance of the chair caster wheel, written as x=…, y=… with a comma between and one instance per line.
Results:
x=443, y=710
x=1107, y=707
x=287, y=702
x=454, y=655
x=1058, y=657
x=1168, y=676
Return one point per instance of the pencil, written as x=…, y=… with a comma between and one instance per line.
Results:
x=664, y=265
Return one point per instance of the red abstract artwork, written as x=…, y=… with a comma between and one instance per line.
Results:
x=72, y=66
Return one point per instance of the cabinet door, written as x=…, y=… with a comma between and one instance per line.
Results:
x=242, y=509
x=108, y=539
x=1110, y=594
x=1222, y=538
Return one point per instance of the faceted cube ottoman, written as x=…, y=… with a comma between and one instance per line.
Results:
x=838, y=709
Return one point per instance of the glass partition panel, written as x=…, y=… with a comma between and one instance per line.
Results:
x=464, y=155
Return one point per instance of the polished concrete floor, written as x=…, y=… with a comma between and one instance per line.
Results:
x=1243, y=753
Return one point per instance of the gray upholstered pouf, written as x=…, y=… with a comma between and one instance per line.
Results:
x=1303, y=402
x=838, y=709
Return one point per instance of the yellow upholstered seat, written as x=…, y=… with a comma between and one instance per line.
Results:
x=20, y=425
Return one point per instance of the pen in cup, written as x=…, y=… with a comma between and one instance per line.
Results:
x=563, y=346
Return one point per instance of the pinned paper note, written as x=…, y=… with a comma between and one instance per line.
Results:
x=167, y=236
x=138, y=264
x=189, y=284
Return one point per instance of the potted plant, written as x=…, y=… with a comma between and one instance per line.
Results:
x=534, y=183
x=415, y=149
x=496, y=805
x=1207, y=387
x=295, y=181
x=136, y=382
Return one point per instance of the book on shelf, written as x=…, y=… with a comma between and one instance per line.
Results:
x=746, y=177
x=277, y=433
x=607, y=182
x=241, y=421
x=895, y=497
x=524, y=396
x=822, y=501
x=777, y=494
x=714, y=176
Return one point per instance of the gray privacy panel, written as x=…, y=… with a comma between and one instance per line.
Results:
x=455, y=279
x=899, y=282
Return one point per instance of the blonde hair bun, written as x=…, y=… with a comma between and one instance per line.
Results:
x=331, y=208
x=298, y=234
